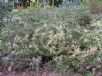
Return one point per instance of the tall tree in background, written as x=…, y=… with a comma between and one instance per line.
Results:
x=21, y=3
x=25, y=3
x=55, y=2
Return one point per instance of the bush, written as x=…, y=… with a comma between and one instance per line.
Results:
x=56, y=36
x=95, y=6
x=84, y=19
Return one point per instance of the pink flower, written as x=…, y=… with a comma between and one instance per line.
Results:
x=77, y=51
x=10, y=69
x=94, y=71
x=37, y=60
x=93, y=51
x=99, y=60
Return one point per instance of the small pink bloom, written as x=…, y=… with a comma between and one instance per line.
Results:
x=9, y=69
x=93, y=51
x=77, y=51
x=94, y=71
x=99, y=60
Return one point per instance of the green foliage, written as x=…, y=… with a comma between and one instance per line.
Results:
x=94, y=2
x=84, y=19
x=94, y=5
x=55, y=34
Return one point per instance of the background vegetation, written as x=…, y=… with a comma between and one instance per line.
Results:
x=62, y=38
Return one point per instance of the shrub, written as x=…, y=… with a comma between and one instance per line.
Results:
x=95, y=5
x=84, y=19
x=56, y=36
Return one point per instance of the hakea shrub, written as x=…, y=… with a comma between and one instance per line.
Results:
x=70, y=48
x=80, y=47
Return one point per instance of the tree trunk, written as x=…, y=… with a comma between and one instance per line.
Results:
x=55, y=2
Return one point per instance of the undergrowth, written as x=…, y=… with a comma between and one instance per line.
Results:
x=69, y=38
